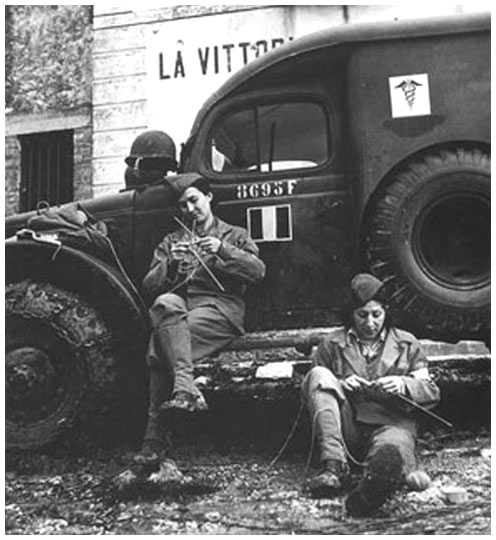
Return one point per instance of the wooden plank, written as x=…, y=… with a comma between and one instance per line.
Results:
x=104, y=9
x=114, y=144
x=303, y=339
x=20, y=124
x=132, y=87
x=119, y=115
x=109, y=170
x=126, y=63
x=115, y=39
x=165, y=13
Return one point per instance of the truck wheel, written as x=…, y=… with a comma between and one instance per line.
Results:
x=430, y=242
x=57, y=361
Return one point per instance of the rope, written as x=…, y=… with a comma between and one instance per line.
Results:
x=286, y=442
x=340, y=440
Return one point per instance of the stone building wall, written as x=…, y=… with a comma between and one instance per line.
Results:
x=48, y=83
x=12, y=174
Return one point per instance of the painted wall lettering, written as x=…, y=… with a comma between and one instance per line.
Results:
x=214, y=59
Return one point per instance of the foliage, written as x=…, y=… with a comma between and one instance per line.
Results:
x=48, y=57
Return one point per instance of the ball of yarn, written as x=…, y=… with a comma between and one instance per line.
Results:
x=418, y=480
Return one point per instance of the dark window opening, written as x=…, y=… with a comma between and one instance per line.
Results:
x=265, y=138
x=47, y=169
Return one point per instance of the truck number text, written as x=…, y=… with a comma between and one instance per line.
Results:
x=266, y=189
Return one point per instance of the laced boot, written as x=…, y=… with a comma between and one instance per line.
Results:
x=148, y=459
x=185, y=401
x=381, y=478
x=329, y=480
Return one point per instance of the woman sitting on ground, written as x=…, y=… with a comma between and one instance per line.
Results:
x=352, y=392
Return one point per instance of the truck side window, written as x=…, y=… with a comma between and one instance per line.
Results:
x=265, y=138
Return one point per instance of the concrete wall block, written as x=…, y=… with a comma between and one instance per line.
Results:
x=115, y=144
x=116, y=39
x=111, y=17
x=12, y=174
x=115, y=64
x=119, y=116
x=109, y=171
x=126, y=88
x=83, y=155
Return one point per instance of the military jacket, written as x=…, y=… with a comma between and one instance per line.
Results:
x=235, y=265
x=401, y=355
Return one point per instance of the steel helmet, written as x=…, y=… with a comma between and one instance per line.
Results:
x=152, y=144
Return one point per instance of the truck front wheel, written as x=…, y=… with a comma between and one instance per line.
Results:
x=58, y=363
x=430, y=242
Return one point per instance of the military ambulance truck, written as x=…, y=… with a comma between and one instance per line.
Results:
x=359, y=148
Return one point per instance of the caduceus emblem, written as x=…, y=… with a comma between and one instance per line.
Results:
x=409, y=87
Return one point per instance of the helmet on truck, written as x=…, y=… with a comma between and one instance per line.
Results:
x=152, y=155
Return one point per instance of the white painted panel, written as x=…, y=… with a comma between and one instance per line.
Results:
x=115, y=39
x=119, y=89
x=119, y=64
x=190, y=58
x=119, y=116
x=114, y=143
x=269, y=233
x=109, y=171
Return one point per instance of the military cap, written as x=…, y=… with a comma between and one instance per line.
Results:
x=182, y=182
x=364, y=287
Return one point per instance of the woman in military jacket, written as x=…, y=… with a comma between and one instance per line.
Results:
x=351, y=393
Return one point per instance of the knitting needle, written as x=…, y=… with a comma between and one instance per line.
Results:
x=200, y=260
x=194, y=237
x=424, y=410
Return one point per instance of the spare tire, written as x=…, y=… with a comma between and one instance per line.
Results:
x=58, y=363
x=430, y=241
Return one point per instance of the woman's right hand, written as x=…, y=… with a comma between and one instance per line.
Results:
x=354, y=383
x=179, y=250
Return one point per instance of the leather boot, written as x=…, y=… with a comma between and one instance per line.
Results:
x=329, y=480
x=175, y=344
x=382, y=476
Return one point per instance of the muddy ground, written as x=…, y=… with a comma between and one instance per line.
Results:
x=231, y=490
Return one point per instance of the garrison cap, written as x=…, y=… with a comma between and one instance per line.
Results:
x=364, y=287
x=182, y=182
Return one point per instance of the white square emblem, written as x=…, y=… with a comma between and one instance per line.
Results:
x=410, y=95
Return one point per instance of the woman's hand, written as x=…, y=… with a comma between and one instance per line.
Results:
x=209, y=245
x=179, y=250
x=392, y=384
x=353, y=383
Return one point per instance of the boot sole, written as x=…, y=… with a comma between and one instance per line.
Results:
x=382, y=478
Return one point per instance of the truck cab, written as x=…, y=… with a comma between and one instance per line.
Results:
x=363, y=148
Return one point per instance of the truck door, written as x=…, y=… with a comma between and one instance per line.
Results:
x=276, y=168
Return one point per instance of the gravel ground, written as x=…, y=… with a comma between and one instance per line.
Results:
x=237, y=493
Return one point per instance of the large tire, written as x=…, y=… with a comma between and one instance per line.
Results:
x=59, y=364
x=429, y=240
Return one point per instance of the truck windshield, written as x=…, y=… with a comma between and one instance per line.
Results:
x=265, y=138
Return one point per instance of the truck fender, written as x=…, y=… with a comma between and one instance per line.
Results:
x=76, y=335
x=104, y=287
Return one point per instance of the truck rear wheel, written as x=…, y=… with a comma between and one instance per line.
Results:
x=58, y=363
x=430, y=242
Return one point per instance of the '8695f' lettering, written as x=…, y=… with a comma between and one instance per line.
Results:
x=259, y=190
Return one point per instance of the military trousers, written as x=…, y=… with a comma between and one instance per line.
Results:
x=183, y=331
x=337, y=433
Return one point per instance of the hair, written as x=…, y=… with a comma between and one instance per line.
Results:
x=353, y=304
